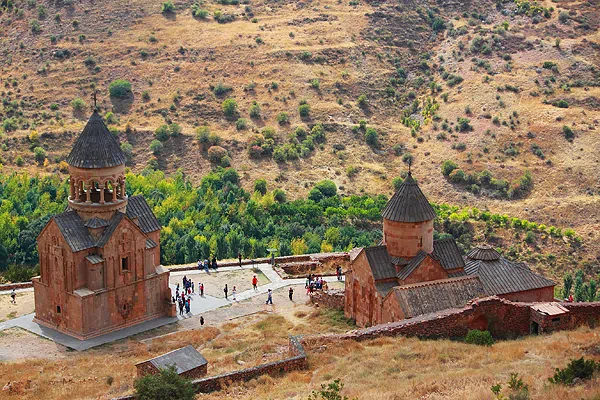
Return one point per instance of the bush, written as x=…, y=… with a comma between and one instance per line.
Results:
x=481, y=338
x=254, y=110
x=39, y=154
x=579, y=369
x=19, y=161
x=145, y=95
x=221, y=88
x=216, y=154
x=198, y=12
x=260, y=185
x=407, y=158
x=362, y=101
x=464, y=124
x=397, y=182
x=304, y=110
x=457, y=176
x=20, y=273
x=315, y=84
x=241, y=124
x=167, y=384
x=127, y=149
x=229, y=108
x=174, y=129
x=10, y=124
x=168, y=7
x=110, y=118
x=568, y=132
x=561, y=104
x=283, y=118
x=156, y=147
x=326, y=188
x=119, y=88
x=35, y=26
x=279, y=196
x=371, y=137
x=78, y=104
x=162, y=133
x=448, y=166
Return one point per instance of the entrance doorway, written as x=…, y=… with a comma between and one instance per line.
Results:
x=535, y=328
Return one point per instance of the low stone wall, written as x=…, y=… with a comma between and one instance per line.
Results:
x=324, y=264
x=332, y=298
x=16, y=286
x=296, y=361
x=583, y=313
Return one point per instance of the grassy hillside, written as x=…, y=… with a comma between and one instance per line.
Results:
x=481, y=83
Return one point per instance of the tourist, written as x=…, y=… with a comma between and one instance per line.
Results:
x=187, y=305
x=240, y=259
x=201, y=321
x=192, y=286
x=184, y=282
x=180, y=307
x=172, y=299
x=324, y=286
x=233, y=293
x=339, y=273
x=570, y=298
x=177, y=292
x=307, y=282
x=269, y=297
x=199, y=264
x=206, y=265
x=177, y=287
x=214, y=263
x=13, y=296
x=291, y=293
x=225, y=290
x=201, y=289
x=254, y=282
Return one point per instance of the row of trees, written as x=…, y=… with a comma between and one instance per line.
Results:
x=582, y=291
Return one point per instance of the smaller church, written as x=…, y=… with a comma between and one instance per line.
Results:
x=409, y=274
x=100, y=259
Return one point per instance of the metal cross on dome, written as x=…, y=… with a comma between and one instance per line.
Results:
x=95, y=100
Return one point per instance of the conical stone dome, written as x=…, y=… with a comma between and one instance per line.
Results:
x=96, y=147
x=408, y=204
x=484, y=253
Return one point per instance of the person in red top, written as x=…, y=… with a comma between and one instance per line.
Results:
x=254, y=282
x=571, y=298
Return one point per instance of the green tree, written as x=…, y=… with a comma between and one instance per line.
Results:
x=167, y=384
x=168, y=7
x=78, y=104
x=567, y=285
x=448, y=166
x=119, y=88
x=39, y=154
x=156, y=147
x=299, y=246
x=260, y=185
x=229, y=108
x=331, y=391
x=162, y=133
x=371, y=137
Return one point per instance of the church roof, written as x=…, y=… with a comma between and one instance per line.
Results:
x=137, y=207
x=448, y=254
x=96, y=147
x=96, y=223
x=408, y=204
x=433, y=296
x=73, y=230
x=483, y=252
x=412, y=265
x=501, y=276
x=380, y=262
x=184, y=359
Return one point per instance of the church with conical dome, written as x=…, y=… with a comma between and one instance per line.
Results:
x=410, y=274
x=100, y=259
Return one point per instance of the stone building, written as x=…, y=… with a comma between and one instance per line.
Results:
x=100, y=259
x=188, y=362
x=409, y=273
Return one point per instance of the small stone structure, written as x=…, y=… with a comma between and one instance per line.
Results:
x=188, y=362
x=331, y=298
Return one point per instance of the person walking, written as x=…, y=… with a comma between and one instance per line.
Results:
x=225, y=290
x=291, y=293
x=180, y=306
x=187, y=305
x=240, y=259
x=201, y=321
x=269, y=297
x=233, y=293
x=339, y=273
x=214, y=263
x=199, y=264
x=201, y=289
x=206, y=265
x=254, y=282
x=13, y=296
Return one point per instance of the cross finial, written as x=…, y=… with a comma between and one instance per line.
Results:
x=409, y=164
x=95, y=100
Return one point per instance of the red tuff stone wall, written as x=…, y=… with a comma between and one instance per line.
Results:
x=331, y=299
x=429, y=270
x=406, y=239
x=531, y=296
x=362, y=301
x=16, y=286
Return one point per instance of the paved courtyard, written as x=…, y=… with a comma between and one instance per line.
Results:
x=213, y=299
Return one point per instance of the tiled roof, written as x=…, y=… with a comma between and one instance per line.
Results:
x=399, y=261
x=138, y=208
x=150, y=244
x=483, y=252
x=412, y=265
x=110, y=229
x=408, y=204
x=552, y=308
x=434, y=296
x=383, y=288
x=96, y=223
x=447, y=253
x=380, y=263
x=96, y=147
x=75, y=233
x=94, y=259
x=184, y=359
x=503, y=276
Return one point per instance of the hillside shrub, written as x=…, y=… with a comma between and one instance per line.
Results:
x=221, y=88
x=448, y=166
x=78, y=104
x=481, y=338
x=167, y=7
x=162, y=133
x=241, y=124
x=10, y=124
x=39, y=154
x=397, y=182
x=362, y=101
x=254, y=110
x=119, y=88
x=260, y=185
x=283, y=118
x=304, y=110
x=230, y=108
x=216, y=154
x=371, y=137
x=20, y=273
x=156, y=147
x=198, y=12
x=577, y=370
x=561, y=103
x=35, y=26
x=568, y=132
x=167, y=384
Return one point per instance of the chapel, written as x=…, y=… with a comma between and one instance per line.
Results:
x=100, y=259
x=410, y=274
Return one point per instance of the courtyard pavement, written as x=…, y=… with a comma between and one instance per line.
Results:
x=198, y=305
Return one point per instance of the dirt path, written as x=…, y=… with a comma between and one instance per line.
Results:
x=25, y=305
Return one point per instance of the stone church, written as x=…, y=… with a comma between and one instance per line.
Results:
x=410, y=274
x=100, y=259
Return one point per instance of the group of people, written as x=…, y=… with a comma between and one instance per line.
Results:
x=206, y=263
x=314, y=282
x=184, y=298
x=233, y=292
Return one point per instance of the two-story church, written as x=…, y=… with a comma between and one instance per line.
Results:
x=410, y=274
x=100, y=259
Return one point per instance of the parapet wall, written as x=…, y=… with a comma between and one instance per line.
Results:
x=332, y=298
